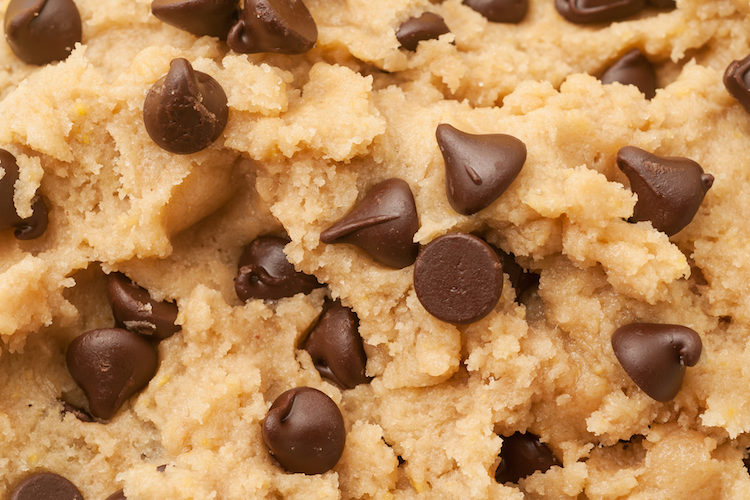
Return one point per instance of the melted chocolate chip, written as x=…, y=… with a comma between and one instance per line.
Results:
x=135, y=310
x=335, y=346
x=633, y=69
x=737, y=81
x=79, y=413
x=282, y=26
x=669, y=189
x=117, y=495
x=655, y=356
x=458, y=278
x=42, y=31
x=186, y=110
x=383, y=224
x=500, y=11
x=598, y=11
x=478, y=168
x=25, y=229
x=110, y=365
x=523, y=454
x=199, y=17
x=46, y=486
x=304, y=431
x=428, y=26
x=265, y=273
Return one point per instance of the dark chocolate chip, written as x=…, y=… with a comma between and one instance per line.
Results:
x=335, y=346
x=655, y=356
x=161, y=468
x=25, y=229
x=42, y=31
x=670, y=189
x=663, y=4
x=598, y=11
x=45, y=486
x=265, y=273
x=383, y=224
x=428, y=26
x=282, y=26
x=34, y=226
x=746, y=462
x=633, y=69
x=135, y=310
x=79, y=413
x=521, y=280
x=737, y=81
x=478, y=168
x=523, y=454
x=458, y=278
x=199, y=17
x=304, y=431
x=110, y=365
x=186, y=110
x=500, y=11
x=117, y=495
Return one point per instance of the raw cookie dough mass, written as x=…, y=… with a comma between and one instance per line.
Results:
x=329, y=152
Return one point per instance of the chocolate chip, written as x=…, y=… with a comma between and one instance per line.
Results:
x=42, y=31
x=737, y=81
x=117, y=495
x=335, y=346
x=304, y=431
x=161, y=468
x=655, y=356
x=598, y=11
x=746, y=462
x=428, y=26
x=282, y=26
x=25, y=229
x=186, y=110
x=34, y=226
x=633, y=69
x=663, y=4
x=45, y=486
x=478, y=168
x=500, y=11
x=521, y=280
x=523, y=454
x=199, y=17
x=458, y=278
x=135, y=310
x=670, y=189
x=79, y=413
x=383, y=224
x=110, y=365
x=265, y=273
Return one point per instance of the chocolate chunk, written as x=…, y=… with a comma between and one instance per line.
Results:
x=523, y=454
x=42, y=31
x=383, y=224
x=458, y=278
x=79, y=413
x=304, y=431
x=335, y=346
x=500, y=11
x=633, y=69
x=25, y=229
x=598, y=11
x=655, y=356
x=521, y=280
x=670, y=189
x=478, y=168
x=282, y=26
x=199, y=17
x=45, y=486
x=110, y=365
x=663, y=4
x=117, y=495
x=265, y=273
x=135, y=310
x=737, y=81
x=428, y=26
x=186, y=110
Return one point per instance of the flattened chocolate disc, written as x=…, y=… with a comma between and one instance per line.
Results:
x=45, y=486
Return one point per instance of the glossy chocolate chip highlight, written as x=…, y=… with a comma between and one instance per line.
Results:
x=135, y=310
x=500, y=11
x=383, y=224
x=199, y=17
x=655, y=356
x=304, y=431
x=523, y=454
x=670, y=189
x=42, y=31
x=737, y=81
x=598, y=11
x=281, y=26
x=633, y=69
x=186, y=110
x=30, y=227
x=45, y=486
x=428, y=26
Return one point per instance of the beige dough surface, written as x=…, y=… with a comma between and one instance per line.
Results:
x=307, y=136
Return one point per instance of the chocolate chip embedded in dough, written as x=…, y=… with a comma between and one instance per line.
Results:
x=30, y=227
x=282, y=26
x=428, y=26
x=655, y=356
x=335, y=346
x=478, y=168
x=670, y=189
x=458, y=278
x=598, y=11
x=737, y=81
x=161, y=468
x=304, y=431
x=663, y=4
x=633, y=69
x=199, y=17
x=79, y=413
x=523, y=454
x=42, y=31
x=117, y=495
x=521, y=280
x=135, y=310
x=45, y=485
x=110, y=365
x=383, y=224
x=34, y=226
x=186, y=110
x=500, y=11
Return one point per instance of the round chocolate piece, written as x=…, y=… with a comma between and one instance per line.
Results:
x=42, y=31
x=45, y=486
x=281, y=26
